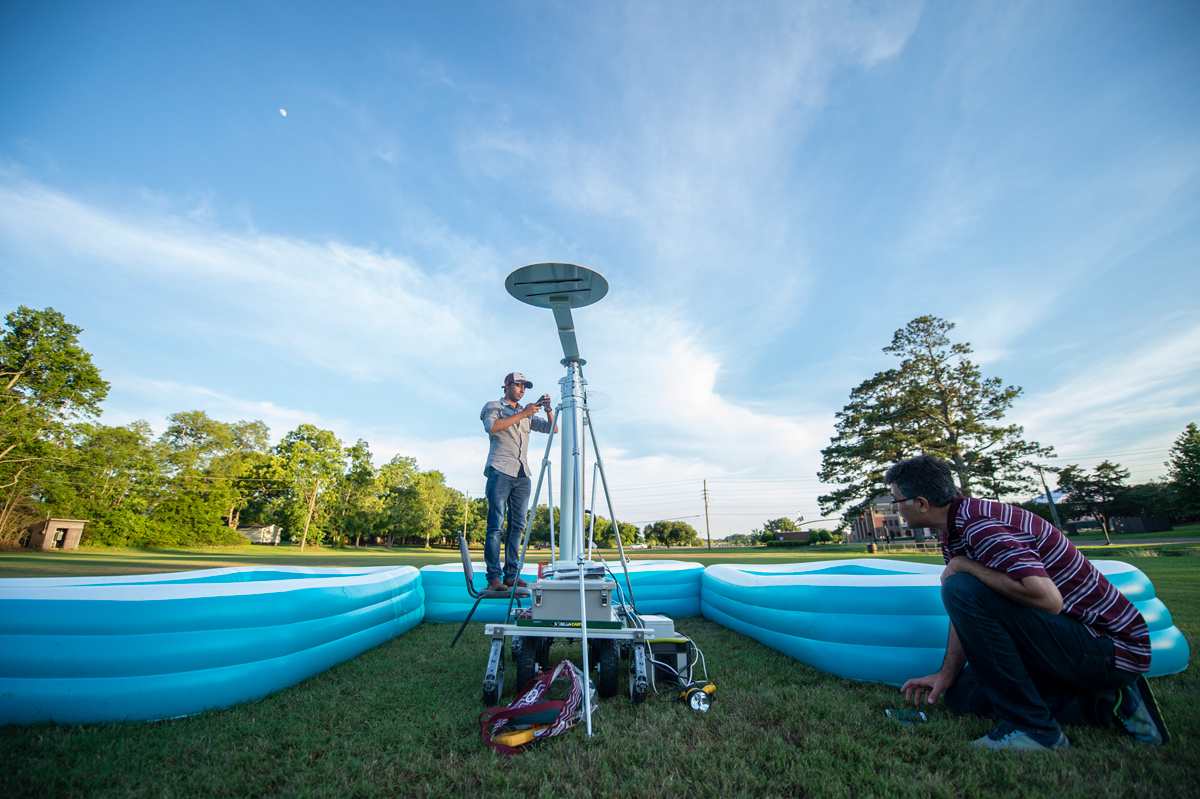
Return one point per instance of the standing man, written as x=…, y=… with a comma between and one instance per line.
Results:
x=1038, y=637
x=507, y=471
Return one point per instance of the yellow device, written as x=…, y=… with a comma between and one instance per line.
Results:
x=698, y=697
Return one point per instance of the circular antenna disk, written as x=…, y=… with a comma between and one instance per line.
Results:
x=545, y=284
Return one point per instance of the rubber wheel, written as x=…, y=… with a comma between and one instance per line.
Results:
x=526, y=663
x=608, y=660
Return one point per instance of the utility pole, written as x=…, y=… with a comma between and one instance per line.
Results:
x=1050, y=499
x=707, y=529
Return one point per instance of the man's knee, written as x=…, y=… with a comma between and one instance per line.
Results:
x=960, y=590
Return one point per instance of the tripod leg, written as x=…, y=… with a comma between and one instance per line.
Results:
x=612, y=516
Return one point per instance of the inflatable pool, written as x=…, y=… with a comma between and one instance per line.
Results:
x=666, y=587
x=880, y=620
x=94, y=649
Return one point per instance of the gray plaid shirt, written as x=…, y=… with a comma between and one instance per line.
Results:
x=510, y=447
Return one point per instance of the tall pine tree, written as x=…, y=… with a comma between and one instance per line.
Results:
x=938, y=403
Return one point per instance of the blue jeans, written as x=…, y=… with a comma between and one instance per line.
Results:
x=1026, y=667
x=509, y=494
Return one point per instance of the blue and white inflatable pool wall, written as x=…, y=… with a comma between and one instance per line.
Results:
x=96, y=649
x=666, y=587
x=881, y=620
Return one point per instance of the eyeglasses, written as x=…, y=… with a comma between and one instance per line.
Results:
x=897, y=501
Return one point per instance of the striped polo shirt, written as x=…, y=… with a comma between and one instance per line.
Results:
x=1022, y=544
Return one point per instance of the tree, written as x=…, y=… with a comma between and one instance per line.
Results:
x=1160, y=498
x=312, y=459
x=418, y=506
x=1093, y=494
x=395, y=478
x=208, y=462
x=47, y=381
x=1184, y=471
x=937, y=403
x=604, y=536
x=672, y=533
x=771, y=529
x=111, y=477
x=356, y=502
x=539, y=532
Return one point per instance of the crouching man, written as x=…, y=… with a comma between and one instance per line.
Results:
x=1038, y=637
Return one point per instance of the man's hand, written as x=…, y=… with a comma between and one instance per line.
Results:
x=929, y=688
x=959, y=564
x=543, y=403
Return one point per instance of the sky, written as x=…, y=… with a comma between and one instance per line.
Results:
x=770, y=189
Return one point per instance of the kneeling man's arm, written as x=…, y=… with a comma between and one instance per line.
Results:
x=931, y=687
x=1034, y=591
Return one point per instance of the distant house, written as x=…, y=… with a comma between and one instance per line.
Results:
x=880, y=521
x=56, y=534
x=261, y=533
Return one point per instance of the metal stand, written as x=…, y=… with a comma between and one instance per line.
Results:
x=601, y=617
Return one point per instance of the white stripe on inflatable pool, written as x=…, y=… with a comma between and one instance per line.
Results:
x=92, y=649
x=667, y=587
x=880, y=620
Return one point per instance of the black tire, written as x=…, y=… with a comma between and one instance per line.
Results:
x=544, y=652
x=526, y=663
x=608, y=661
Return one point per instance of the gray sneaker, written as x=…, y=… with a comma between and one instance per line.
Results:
x=1010, y=738
x=1137, y=713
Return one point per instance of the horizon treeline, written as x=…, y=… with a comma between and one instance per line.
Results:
x=202, y=478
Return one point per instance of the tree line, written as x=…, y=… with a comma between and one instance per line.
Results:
x=938, y=402
x=199, y=480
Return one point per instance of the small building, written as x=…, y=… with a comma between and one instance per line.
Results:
x=56, y=534
x=262, y=533
x=880, y=521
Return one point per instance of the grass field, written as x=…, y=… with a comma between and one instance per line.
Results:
x=402, y=720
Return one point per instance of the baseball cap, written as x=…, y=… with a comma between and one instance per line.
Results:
x=517, y=377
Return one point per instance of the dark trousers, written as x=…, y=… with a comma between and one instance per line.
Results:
x=1026, y=667
x=505, y=495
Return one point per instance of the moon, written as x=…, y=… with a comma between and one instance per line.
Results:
x=282, y=112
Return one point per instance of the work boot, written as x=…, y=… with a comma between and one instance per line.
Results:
x=495, y=585
x=508, y=583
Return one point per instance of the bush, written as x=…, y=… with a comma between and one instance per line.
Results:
x=820, y=537
x=787, y=543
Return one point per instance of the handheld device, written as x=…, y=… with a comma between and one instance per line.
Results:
x=909, y=718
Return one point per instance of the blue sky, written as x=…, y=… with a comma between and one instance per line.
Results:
x=771, y=191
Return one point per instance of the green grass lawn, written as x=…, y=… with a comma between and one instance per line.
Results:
x=401, y=719
x=1181, y=531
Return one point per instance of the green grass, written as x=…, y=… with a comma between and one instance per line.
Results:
x=1182, y=531
x=402, y=720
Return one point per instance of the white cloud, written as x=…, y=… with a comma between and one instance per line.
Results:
x=351, y=313
x=693, y=149
x=1145, y=394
